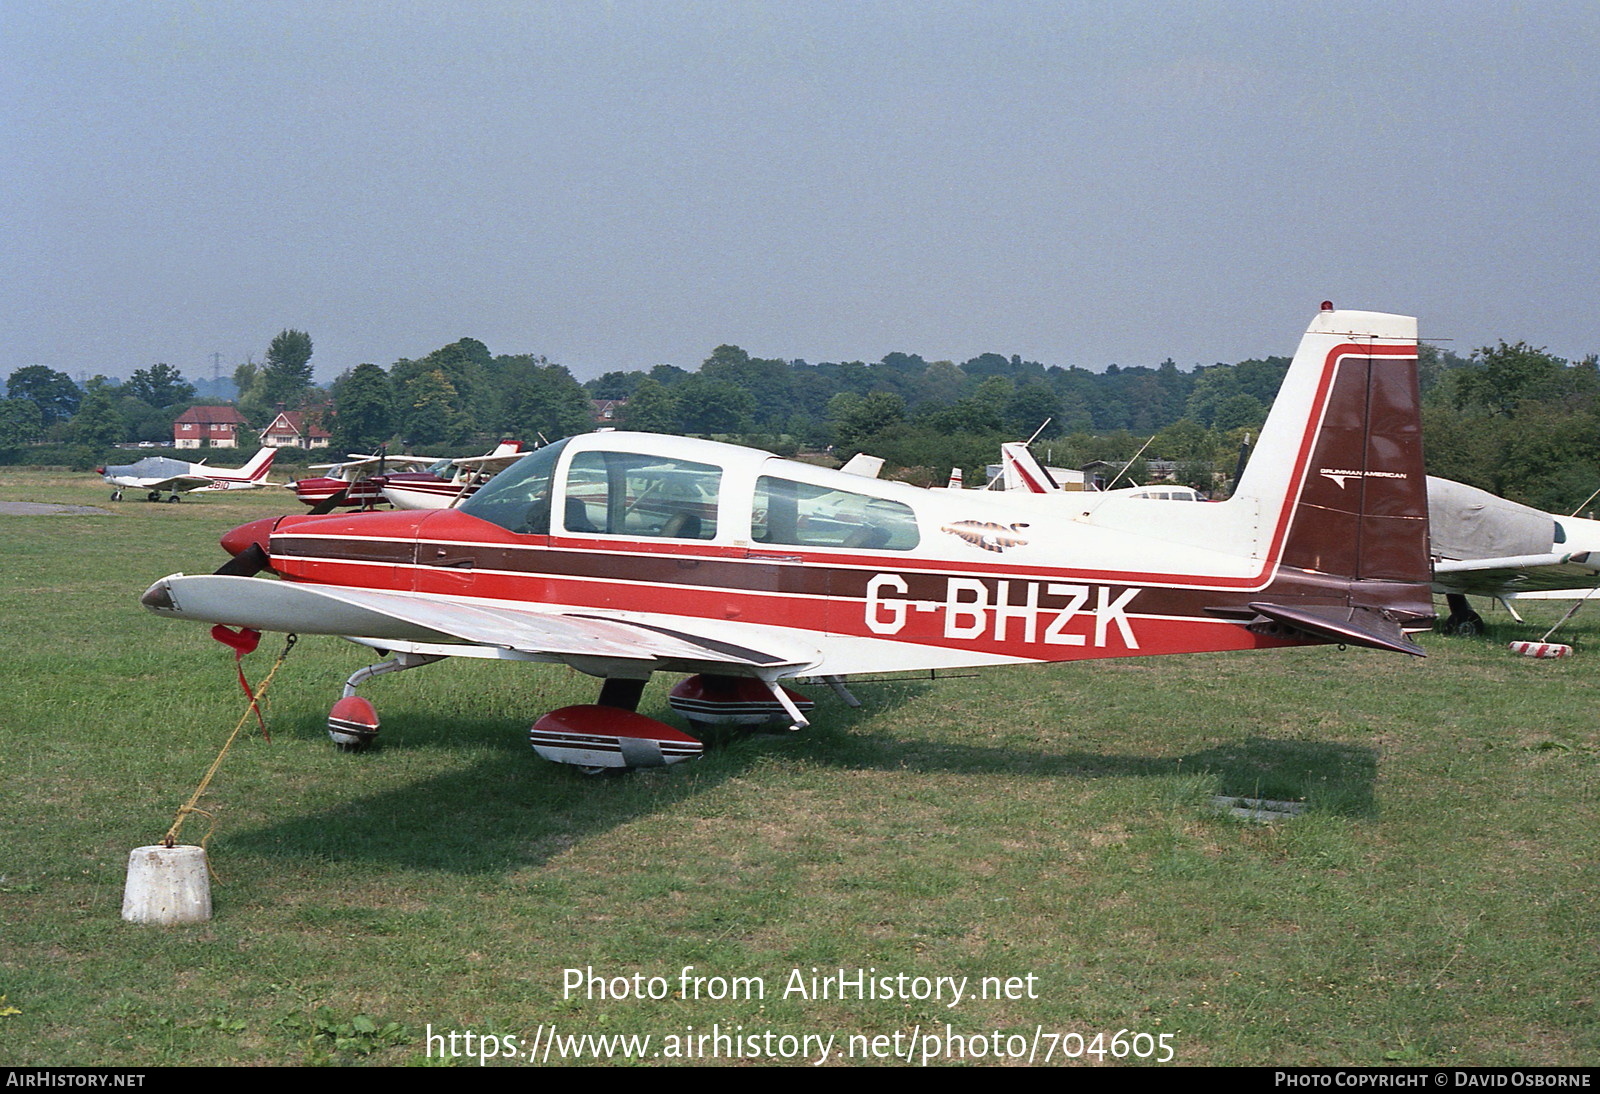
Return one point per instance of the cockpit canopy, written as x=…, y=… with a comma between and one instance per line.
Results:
x=623, y=491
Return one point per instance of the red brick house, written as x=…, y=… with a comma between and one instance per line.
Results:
x=215, y=426
x=606, y=411
x=291, y=430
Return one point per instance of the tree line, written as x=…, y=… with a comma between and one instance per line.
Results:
x=1510, y=418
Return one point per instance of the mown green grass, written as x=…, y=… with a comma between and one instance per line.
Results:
x=1437, y=904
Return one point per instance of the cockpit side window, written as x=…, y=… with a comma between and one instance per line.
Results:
x=518, y=498
x=631, y=494
x=803, y=515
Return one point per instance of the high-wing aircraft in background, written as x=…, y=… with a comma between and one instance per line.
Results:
x=627, y=554
x=1484, y=545
x=350, y=482
x=448, y=482
x=163, y=473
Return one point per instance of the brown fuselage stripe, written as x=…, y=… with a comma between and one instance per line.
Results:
x=492, y=571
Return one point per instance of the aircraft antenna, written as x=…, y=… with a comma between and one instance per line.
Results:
x=1129, y=464
x=1101, y=500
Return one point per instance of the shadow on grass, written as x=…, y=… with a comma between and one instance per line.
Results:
x=492, y=815
x=1330, y=777
x=510, y=811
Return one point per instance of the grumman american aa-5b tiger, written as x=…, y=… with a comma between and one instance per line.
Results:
x=627, y=554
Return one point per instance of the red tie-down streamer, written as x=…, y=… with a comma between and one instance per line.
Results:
x=243, y=641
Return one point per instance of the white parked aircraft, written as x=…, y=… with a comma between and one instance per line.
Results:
x=163, y=473
x=1484, y=545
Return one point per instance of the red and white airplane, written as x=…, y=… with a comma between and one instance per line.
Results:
x=627, y=554
x=350, y=483
x=157, y=473
x=448, y=482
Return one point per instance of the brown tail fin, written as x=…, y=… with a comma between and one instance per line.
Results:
x=1362, y=512
x=1341, y=458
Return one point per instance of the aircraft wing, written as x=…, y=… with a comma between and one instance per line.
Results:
x=1517, y=573
x=172, y=482
x=363, y=461
x=489, y=461
x=587, y=640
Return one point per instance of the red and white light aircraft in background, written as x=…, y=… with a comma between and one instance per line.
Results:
x=625, y=554
x=350, y=482
x=448, y=482
x=365, y=481
x=163, y=473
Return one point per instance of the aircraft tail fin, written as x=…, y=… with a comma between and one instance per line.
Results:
x=256, y=469
x=1339, y=464
x=864, y=465
x=1024, y=472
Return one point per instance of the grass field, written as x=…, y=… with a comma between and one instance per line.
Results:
x=1439, y=902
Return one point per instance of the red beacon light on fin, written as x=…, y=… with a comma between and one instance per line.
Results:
x=1327, y=305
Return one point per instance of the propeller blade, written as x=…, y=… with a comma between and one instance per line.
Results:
x=247, y=563
x=323, y=508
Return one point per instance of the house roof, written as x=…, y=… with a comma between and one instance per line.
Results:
x=212, y=415
x=294, y=422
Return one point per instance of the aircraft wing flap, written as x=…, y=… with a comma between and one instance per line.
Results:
x=266, y=604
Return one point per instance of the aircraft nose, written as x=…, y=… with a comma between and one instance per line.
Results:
x=255, y=534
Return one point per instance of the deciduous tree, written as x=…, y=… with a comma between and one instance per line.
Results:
x=97, y=423
x=160, y=385
x=54, y=393
x=363, y=409
x=20, y=422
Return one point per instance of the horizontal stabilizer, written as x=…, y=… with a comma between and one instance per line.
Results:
x=1353, y=626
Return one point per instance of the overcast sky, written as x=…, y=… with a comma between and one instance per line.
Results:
x=618, y=185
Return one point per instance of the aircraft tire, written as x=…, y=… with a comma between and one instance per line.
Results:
x=1469, y=625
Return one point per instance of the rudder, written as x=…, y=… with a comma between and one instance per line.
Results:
x=1353, y=563
x=1363, y=506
